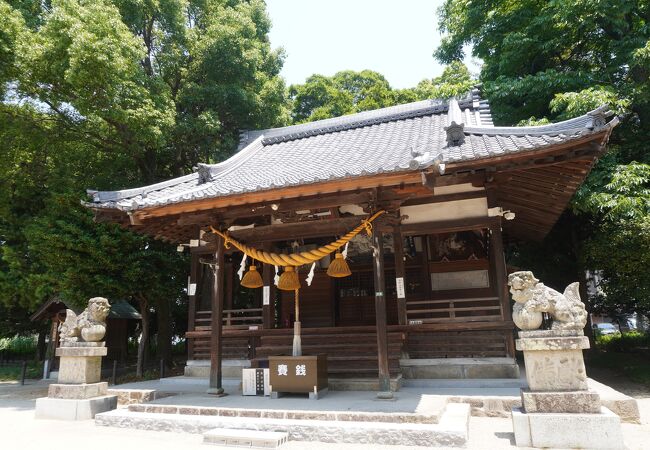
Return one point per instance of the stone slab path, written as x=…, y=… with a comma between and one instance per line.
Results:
x=21, y=430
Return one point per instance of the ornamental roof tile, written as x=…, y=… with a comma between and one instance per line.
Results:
x=395, y=139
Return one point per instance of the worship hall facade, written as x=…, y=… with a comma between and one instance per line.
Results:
x=428, y=284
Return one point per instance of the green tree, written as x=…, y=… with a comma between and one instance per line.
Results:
x=112, y=94
x=346, y=92
x=555, y=60
x=349, y=92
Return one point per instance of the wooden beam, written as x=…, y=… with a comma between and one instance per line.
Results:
x=276, y=195
x=228, y=289
x=447, y=226
x=191, y=307
x=216, y=323
x=428, y=181
x=269, y=286
x=380, y=314
x=134, y=220
x=286, y=231
x=586, y=155
x=497, y=257
x=262, y=200
x=196, y=219
x=441, y=198
x=400, y=272
x=300, y=203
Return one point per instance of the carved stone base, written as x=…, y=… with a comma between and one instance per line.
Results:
x=561, y=402
x=554, y=360
x=80, y=364
x=74, y=409
x=77, y=391
x=558, y=430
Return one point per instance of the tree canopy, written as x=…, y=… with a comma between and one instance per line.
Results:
x=111, y=94
x=349, y=92
x=554, y=60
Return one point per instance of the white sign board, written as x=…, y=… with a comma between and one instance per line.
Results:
x=192, y=289
x=248, y=382
x=399, y=284
x=467, y=279
x=255, y=382
x=266, y=295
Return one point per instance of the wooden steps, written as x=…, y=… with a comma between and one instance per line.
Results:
x=233, y=348
x=349, y=354
x=468, y=344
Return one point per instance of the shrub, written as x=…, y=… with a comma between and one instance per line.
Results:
x=623, y=343
x=179, y=347
x=18, y=347
x=12, y=372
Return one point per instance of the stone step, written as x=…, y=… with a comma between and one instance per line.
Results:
x=511, y=384
x=452, y=431
x=459, y=368
x=226, y=437
x=430, y=410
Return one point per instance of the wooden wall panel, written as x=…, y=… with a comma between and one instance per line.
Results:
x=315, y=302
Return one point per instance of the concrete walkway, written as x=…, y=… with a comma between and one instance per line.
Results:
x=21, y=430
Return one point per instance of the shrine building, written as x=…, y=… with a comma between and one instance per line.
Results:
x=427, y=288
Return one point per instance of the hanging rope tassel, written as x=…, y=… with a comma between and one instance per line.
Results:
x=289, y=280
x=339, y=267
x=252, y=279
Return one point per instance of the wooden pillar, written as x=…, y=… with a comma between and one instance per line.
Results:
x=380, y=314
x=51, y=348
x=498, y=260
x=191, y=307
x=268, y=294
x=228, y=286
x=400, y=272
x=216, y=341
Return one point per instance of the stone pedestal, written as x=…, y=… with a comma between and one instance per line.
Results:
x=554, y=360
x=81, y=364
x=79, y=393
x=558, y=410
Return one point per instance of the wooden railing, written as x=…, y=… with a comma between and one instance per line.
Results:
x=433, y=340
x=232, y=318
x=453, y=310
x=242, y=318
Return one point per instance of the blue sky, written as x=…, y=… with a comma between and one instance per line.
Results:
x=394, y=38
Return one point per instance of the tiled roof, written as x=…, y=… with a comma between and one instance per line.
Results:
x=396, y=139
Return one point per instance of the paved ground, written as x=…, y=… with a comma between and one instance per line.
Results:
x=426, y=400
x=21, y=430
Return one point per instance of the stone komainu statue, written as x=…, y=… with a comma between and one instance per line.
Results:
x=532, y=299
x=89, y=326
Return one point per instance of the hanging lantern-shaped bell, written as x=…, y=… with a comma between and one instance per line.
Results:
x=289, y=279
x=252, y=279
x=339, y=267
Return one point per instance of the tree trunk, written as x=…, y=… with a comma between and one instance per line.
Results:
x=40, y=346
x=164, y=337
x=144, y=336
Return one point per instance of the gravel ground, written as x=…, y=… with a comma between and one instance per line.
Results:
x=621, y=384
x=21, y=430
